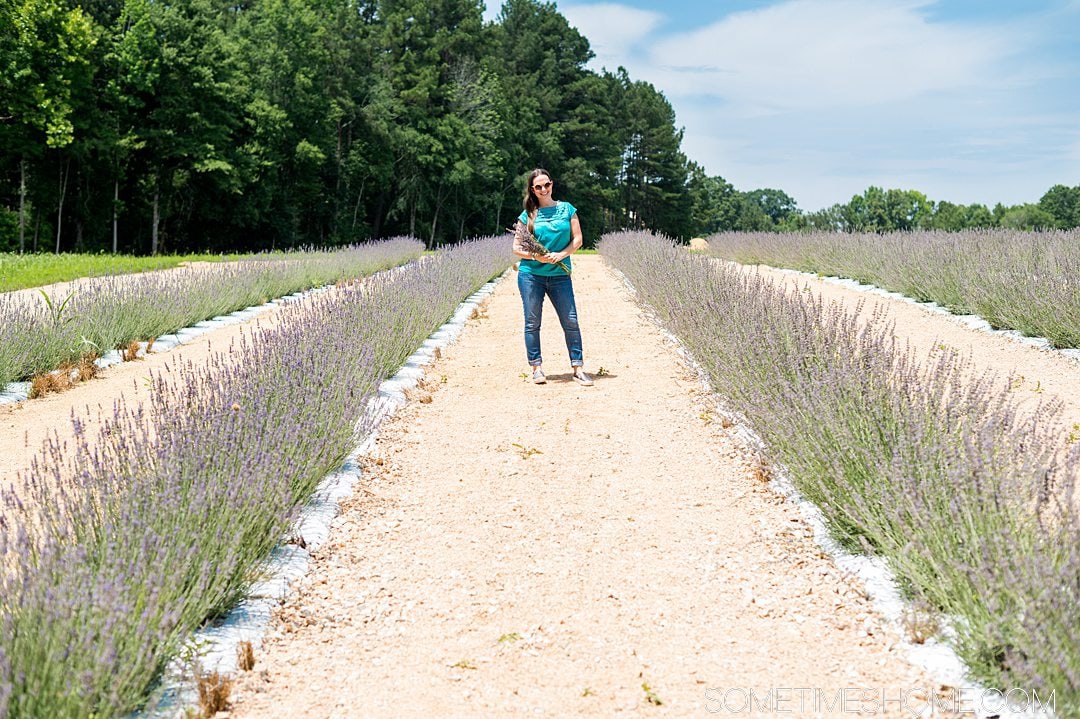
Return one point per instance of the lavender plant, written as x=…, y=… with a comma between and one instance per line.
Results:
x=38, y=334
x=932, y=467
x=1027, y=281
x=157, y=520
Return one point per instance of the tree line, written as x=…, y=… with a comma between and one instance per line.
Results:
x=718, y=207
x=211, y=125
x=140, y=126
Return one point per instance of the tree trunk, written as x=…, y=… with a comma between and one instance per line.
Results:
x=376, y=225
x=60, y=206
x=499, y=229
x=440, y=199
x=154, y=228
x=356, y=209
x=116, y=202
x=22, y=206
x=37, y=228
x=337, y=158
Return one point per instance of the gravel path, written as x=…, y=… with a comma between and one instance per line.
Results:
x=565, y=551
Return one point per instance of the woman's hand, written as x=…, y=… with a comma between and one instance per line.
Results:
x=555, y=257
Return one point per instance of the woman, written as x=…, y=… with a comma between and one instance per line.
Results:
x=555, y=225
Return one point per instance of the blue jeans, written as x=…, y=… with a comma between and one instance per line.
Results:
x=561, y=292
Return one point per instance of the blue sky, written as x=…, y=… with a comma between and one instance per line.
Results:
x=965, y=100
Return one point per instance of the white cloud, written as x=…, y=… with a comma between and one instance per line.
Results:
x=805, y=54
x=822, y=98
x=614, y=31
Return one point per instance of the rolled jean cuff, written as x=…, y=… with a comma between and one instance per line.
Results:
x=577, y=363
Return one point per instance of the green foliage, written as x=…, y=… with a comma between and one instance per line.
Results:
x=719, y=207
x=43, y=60
x=9, y=230
x=947, y=216
x=1028, y=217
x=1063, y=203
x=166, y=127
x=878, y=210
x=654, y=171
x=777, y=204
x=715, y=202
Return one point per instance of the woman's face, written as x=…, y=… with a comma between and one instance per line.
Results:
x=541, y=186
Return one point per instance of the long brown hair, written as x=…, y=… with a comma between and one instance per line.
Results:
x=531, y=203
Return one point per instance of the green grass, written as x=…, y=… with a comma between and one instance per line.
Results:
x=34, y=270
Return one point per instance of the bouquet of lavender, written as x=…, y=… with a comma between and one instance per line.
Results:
x=528, y=242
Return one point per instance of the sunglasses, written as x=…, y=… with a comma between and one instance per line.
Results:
x=544, y=186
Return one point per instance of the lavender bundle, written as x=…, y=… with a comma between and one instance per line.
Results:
x=528, y=242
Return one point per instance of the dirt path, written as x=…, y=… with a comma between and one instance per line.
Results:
x=565, y=551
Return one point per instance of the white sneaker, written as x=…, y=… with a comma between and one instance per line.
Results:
x=582, y=379
x=538, y=376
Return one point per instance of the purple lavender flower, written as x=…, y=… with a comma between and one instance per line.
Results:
x=158, y=519
x=1028, y=281
x=37, y=333
x=933, y=467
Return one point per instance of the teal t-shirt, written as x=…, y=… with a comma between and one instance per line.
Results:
x=552, y=229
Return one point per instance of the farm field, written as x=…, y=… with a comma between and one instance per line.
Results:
x=29, y=424
x=1034, y=375
x=201, y=480
x=944, y=471
x=564, y=551
x=568, y=550
x=1026, y=281
x=82, y=320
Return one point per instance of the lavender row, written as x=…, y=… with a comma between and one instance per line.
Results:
x=38, y=334
x=143, y=529
x=931, y=467
x=1026, y=281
